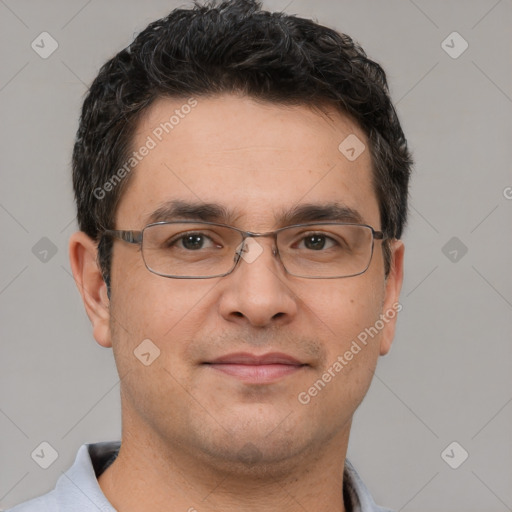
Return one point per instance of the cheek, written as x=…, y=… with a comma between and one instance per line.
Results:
x=346, y=313
x=156, y=316
x=343, y=308
x=169, y=312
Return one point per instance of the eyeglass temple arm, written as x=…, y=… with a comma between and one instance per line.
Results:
x=132, y=237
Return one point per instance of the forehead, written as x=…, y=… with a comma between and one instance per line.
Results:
x=255, y=160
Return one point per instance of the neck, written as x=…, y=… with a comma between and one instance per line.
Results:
x=152, y=475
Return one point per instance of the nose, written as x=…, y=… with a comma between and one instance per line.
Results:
x=258, y=291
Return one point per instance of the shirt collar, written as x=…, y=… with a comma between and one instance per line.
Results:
x=80, y=485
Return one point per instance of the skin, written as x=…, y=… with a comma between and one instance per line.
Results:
x=197, y=438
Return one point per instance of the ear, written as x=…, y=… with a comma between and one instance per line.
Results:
x=391, y=305
x=83, y=254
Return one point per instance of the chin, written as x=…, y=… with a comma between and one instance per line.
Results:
x=262, y=444
x=256, y=458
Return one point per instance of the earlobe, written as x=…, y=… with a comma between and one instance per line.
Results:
x=392, y=306
x=90, y=284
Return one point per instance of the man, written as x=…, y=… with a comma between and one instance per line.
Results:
x=241, y=184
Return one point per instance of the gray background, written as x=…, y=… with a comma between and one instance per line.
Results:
x=448, y=375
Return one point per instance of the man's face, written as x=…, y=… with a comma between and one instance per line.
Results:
x=257, y=161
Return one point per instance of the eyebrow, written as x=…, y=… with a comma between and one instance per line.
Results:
x=214, y=212
x=320, y=212
x=178, y=210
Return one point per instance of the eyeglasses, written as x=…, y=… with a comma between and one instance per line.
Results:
x=203, y=250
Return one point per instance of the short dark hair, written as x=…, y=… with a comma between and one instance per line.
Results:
x=233, y=47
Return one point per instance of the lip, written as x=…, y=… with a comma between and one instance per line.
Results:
x=256, y=369
x=253, y=359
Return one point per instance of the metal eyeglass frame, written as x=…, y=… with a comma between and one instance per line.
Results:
x=136, y=237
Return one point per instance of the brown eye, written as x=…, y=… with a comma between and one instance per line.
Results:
x=193, y=242
x=314, y=242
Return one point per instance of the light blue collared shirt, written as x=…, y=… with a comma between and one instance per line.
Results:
x=77, y=490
